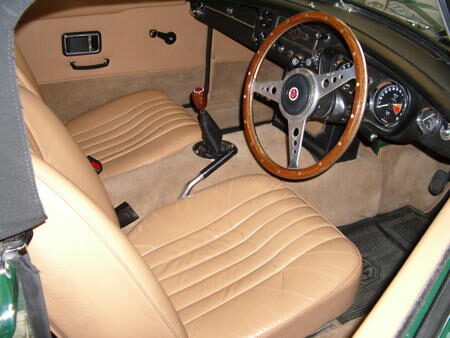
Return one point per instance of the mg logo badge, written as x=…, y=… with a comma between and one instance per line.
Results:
x=293, y=94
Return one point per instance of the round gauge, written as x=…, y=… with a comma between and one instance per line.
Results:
x=389, y=102
x=428, y=121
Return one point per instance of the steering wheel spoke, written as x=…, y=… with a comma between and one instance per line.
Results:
x=328, y=82
x=269, y=89
x=298, y=97
x=296, y=130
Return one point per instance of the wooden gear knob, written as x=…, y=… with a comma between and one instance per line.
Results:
x=199, y=98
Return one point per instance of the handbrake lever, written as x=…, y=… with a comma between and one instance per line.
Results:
x=209, y=169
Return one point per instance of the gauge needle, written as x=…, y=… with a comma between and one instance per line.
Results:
x=428, y=117
x=383, y=105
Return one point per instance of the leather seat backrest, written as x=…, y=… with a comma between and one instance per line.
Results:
x=95, y=282
x=50, y=140
x=25, y=76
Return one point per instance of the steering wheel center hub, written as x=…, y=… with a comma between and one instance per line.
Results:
x=296, y=94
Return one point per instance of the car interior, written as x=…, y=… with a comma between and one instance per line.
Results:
x=242, y=216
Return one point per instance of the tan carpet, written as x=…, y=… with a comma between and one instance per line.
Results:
x=407, y=172
x=346, y=193
x=71, y=98
x=339, y=194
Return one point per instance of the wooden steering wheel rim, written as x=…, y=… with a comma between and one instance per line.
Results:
x=358, y=105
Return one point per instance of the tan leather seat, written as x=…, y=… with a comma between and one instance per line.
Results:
x=136, y=129
x=129, y=132
x=246, y=257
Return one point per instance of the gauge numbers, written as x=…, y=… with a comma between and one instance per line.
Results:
x=389, y=103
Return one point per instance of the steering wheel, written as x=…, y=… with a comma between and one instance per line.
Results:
x=297, y=96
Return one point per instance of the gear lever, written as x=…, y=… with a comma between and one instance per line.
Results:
x=212, y=145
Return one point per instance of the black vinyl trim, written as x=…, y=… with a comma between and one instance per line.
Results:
x=20, y=206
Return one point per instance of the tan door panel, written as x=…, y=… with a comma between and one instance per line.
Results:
x=125, y=41
x=137, y=61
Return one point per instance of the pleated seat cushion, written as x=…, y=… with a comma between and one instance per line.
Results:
x=134, y=130
x=257, y=260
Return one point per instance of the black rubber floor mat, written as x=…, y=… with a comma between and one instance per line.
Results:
x=384, y=241
x=405, y=226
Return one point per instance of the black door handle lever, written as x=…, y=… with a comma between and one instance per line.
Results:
x=74, y=65
x=169, y=37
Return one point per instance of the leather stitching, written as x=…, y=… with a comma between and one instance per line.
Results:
x=119, y=116
x=148, y=130
x=233, y=246
x=217, y=218
x=256, y=285
x=352, y=274
x=140, y=144
x=134, y=119
x=230, y=229
x=249, y=255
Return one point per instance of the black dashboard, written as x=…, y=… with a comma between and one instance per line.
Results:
x=402, y=107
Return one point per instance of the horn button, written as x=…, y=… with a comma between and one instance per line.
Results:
x=295, y=94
